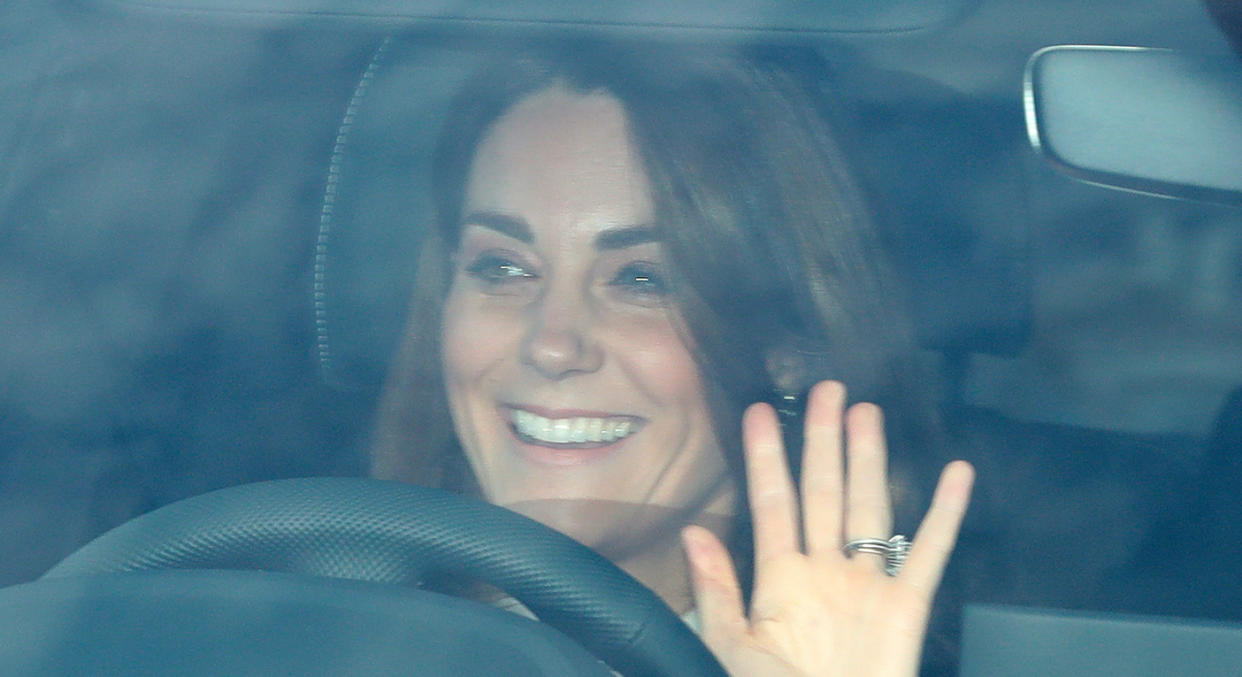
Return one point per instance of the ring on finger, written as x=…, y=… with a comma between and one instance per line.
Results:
x=894, y=551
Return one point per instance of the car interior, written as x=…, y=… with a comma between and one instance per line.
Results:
x=206, y=252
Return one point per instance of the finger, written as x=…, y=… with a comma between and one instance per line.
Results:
x=717, y=594
x=773, y=507
x=823, y=493
x=938, y=533
x=868, y=511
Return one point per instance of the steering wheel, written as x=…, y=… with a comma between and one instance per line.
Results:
x=386, y=532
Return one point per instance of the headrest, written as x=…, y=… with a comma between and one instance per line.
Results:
x=946, y=175
x=377, y=206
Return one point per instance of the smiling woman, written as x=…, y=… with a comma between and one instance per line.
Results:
x=632, y=245
x=558, y=325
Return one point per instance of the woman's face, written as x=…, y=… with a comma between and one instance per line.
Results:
x=573, y=392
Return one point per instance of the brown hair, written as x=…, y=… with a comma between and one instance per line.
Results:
x=776, y=260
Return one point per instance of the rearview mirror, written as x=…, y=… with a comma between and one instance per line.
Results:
x=1148, y=120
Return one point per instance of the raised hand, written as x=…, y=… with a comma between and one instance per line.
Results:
x=816, y=610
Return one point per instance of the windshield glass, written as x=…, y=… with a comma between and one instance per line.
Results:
x=551, y=267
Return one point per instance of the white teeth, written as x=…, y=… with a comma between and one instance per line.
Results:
x=578, y=431
x=560, y=430
x=571, y=430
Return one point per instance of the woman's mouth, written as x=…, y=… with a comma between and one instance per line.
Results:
x=568, y=440
x=573, y=430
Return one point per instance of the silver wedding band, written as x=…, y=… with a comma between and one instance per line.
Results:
x=894, y=551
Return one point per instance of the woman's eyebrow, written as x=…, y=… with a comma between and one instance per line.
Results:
x=504, y=224
x=626, y=236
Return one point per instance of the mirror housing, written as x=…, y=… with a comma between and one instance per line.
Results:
x=1147, y=120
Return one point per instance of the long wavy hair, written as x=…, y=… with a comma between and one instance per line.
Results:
x=778, y=270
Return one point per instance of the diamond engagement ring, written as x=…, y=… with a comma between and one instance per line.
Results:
x=894, y=550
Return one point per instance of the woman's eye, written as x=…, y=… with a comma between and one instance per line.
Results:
x=493, y=269
x=641, y=279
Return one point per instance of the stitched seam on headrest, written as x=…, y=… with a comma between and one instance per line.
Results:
x=323, y=346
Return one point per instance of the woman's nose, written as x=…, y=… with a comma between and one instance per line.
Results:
x=559, y=340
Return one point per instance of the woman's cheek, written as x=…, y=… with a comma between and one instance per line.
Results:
x=475, y=333
x=658, y=350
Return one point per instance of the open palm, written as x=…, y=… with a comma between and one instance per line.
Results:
x=816, y=610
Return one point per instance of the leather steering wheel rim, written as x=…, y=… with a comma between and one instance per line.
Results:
x=389, y=532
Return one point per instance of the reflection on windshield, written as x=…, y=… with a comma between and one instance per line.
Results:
x=559, y=290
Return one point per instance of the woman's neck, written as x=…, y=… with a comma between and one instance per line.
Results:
x=662, y=567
